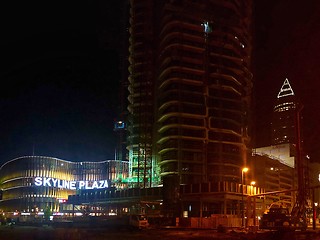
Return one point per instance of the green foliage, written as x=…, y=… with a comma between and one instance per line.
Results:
x=47, y=213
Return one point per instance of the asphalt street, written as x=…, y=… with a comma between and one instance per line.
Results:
x=51, y=233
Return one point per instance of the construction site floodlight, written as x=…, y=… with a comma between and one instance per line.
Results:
x=206, y=27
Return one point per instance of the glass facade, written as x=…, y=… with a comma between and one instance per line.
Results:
x=35, y=183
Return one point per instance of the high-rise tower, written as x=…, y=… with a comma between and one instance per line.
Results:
x=284, y=116
x=189, y=90
x=286, y=128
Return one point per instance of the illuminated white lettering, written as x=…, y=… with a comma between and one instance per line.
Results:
x=103, y=184
x=66, y=184
x=95, y=184
x=73, y=185
x=87, y=185
x=60, y=184
x=54, y=181
x=46, y=182
x=38, y=181
x=81, y=184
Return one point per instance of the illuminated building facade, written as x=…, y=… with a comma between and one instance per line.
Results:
x=286, y=128
x=277, y=164
x=34, y=183
x=273, y=169
x=189, y=91
x=274, y=165
x=284, y=116
x=282, y=152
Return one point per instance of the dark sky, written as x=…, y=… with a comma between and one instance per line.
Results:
x=287, y=33
x=60, y=74
x=60, y=79
x=287, y=46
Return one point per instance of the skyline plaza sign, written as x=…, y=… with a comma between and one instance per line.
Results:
x=72, y=185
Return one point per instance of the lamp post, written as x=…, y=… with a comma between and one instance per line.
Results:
x=253, y=192
x=243, y=171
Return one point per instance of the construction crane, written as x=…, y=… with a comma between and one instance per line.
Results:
x=278, y=217
x=299, y=210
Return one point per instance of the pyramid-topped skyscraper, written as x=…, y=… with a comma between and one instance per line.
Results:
x=284, y=116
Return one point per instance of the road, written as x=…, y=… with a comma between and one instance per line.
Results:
x=50, y=233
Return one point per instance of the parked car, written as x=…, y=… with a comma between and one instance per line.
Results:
x=138, y=221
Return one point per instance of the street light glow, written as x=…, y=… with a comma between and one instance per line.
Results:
x=244, y=170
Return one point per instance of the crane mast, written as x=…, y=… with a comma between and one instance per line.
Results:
x=299, y=210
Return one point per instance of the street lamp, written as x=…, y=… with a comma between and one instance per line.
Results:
x=243, y=171
x=252, y=183
x=252, y=193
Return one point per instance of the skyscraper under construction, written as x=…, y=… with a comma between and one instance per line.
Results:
x=189, y=91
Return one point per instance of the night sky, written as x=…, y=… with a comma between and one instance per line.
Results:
x=60, y=74
x=287, y=36
x=60, y=79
